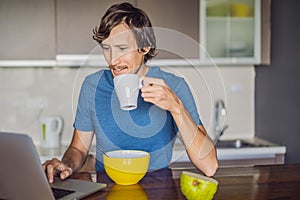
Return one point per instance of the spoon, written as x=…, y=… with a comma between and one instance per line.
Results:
x=99, y=148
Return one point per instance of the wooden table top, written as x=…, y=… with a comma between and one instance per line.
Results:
x=247, y=182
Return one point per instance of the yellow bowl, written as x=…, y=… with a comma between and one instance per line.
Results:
x=126, y=167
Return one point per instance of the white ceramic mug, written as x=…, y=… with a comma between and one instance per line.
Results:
x=51, y=128
x=127, y=89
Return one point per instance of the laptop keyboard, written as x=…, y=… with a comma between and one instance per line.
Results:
x=60, y=193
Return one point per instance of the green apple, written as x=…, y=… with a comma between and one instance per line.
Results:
x=195, y=186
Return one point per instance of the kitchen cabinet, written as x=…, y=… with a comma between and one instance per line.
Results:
x=230, y=31
x=265, y=40
x=75, y=21
x=27, y=30
x=61, y=30
x=235, y=31
x=176, y=24
x=222, y=31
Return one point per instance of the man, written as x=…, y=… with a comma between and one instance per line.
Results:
x=166, y=106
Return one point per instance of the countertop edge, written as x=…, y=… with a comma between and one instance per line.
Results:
x=180, y=155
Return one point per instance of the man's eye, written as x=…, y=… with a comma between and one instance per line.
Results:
x=105, y=48
x=123, y=48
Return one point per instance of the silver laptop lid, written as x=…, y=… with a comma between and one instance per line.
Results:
x=22, y=175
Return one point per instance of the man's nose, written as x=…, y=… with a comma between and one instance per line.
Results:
x=115, y=58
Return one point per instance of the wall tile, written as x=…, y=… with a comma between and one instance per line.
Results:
x=29, y=93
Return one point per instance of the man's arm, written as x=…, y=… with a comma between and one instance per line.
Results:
x=199, y=147
x=73, y=158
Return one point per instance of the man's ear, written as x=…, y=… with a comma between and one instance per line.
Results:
x=145, y=50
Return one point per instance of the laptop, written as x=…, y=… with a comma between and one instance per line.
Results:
x=22, y=175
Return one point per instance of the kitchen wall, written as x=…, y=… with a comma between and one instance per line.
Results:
x=29, y=93
x=277, y=86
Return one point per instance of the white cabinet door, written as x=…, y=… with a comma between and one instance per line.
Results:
x=230, y=31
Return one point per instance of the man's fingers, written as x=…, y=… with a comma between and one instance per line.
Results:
x=66, y=173
x=50, y=172
x=148, y=81
x=44, y=165
x=53, y=167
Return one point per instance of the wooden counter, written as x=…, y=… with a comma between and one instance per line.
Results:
x=249, y=182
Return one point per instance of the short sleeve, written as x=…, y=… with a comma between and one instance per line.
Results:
x=83, y=120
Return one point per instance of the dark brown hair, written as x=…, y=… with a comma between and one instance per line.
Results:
x=136, y=19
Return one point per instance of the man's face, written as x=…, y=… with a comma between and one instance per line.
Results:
x=121, y=51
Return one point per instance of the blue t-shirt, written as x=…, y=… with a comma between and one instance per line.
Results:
x=146, y=128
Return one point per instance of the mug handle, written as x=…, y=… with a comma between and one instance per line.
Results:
x=141, y=82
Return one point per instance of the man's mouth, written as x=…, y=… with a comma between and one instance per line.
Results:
x=117, y=68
